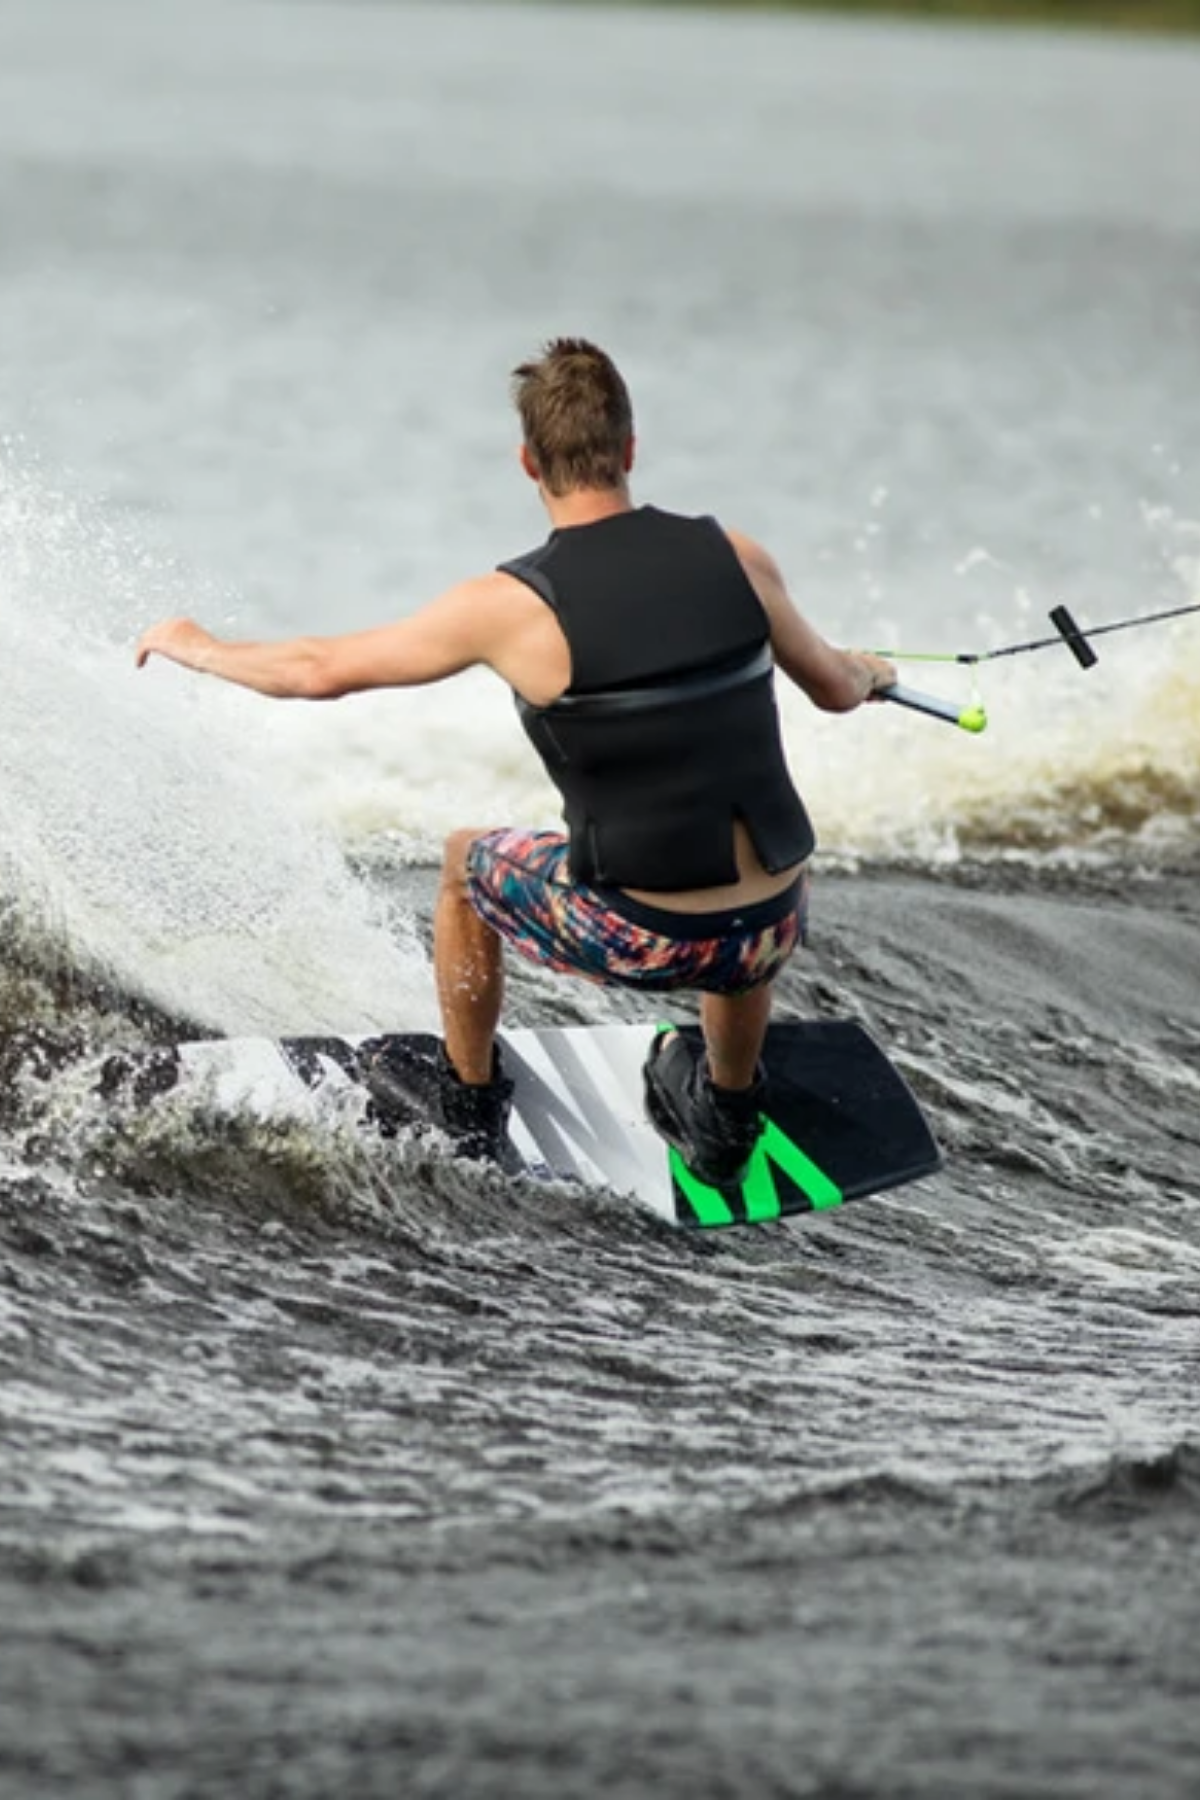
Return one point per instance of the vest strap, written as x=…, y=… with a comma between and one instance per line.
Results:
x=700, y=686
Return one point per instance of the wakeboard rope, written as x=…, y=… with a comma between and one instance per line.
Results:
x=973, y=716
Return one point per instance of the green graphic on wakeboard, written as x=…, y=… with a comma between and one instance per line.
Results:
x=778, y=1171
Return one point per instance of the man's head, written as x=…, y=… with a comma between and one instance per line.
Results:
x=576, y=418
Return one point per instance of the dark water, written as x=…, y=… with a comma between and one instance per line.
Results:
x=340, y=1470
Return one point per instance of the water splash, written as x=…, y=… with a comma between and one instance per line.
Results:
x=147, y=839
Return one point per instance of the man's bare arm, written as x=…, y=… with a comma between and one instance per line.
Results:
x=834, y=679
x=452, y=633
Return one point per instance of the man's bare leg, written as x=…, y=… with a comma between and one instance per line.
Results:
x=734, y=1028
x=468, y=967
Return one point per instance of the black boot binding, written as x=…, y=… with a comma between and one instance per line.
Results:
x=714, y=1129
x=410, y=1093
x=474, y=1115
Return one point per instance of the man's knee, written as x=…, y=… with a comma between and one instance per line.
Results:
x=455, y=852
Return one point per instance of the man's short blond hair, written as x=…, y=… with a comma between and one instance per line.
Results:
x=576, y=416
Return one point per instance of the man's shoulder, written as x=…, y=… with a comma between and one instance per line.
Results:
x=495, y=587
x=500, y=606
x=480, y=610
x=754, y=557
x=526, y=577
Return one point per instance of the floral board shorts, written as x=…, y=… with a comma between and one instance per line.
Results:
x=519, y=883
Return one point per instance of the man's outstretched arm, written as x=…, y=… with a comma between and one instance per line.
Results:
x=452, y=633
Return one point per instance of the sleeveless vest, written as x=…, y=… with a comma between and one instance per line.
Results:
x=668, y=732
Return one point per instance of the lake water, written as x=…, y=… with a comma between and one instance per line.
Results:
x=334, y=1470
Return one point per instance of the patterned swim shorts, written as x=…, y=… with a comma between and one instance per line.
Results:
x=519, y=883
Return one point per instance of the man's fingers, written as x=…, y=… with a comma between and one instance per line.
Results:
x=161, y=640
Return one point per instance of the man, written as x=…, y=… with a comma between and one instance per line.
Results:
x=640, y=647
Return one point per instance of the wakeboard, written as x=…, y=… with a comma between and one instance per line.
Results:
x=839, y=1119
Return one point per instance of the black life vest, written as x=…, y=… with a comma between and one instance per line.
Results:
x=668, y=732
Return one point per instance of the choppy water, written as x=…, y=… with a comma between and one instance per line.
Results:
x=336, y=1469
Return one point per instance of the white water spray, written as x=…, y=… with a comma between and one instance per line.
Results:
x=139, y=824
